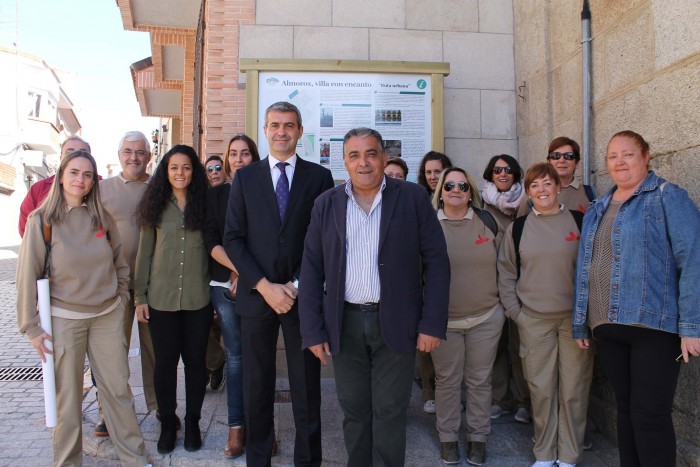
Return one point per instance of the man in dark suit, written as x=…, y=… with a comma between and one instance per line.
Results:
x=268, y=213
x=374, y=286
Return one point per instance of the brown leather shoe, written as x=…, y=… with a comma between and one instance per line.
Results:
x=275, y=446
x=235, y=443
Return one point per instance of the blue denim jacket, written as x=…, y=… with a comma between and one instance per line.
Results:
x=656, y=260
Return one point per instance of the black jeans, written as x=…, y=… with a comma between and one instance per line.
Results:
x=373, y=384
x=642, y=368
x=174, y=334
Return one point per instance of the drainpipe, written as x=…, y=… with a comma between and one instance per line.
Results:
x=587, y=104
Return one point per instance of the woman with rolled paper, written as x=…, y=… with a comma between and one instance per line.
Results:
x=72, y=238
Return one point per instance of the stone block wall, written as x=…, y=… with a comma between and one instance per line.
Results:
x=474, y=36
x=646, y=71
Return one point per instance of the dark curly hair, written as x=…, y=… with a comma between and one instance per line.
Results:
x=159, y=191
x=431, y=156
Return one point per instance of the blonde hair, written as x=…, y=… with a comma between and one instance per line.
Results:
x=54, y=209
x=475, y=200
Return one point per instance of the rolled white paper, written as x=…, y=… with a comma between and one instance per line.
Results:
x=42, y=287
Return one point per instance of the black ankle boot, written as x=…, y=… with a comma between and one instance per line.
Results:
x=168, y=433
x=193, y=437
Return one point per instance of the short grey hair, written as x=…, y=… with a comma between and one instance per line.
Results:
x=132, y=136
x=283, y=106
x=363, y=133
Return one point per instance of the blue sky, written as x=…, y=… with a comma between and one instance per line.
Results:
x=85, y=37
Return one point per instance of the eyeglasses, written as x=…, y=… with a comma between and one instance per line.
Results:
x=507, y=168
x=569, y=156
x=129, y=152
x=449, y=186
x=212, y=168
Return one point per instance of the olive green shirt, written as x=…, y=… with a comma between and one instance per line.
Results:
x=172, y=265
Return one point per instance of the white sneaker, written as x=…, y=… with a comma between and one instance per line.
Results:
x=497, y=411
x=564, y=464
x=544, y=463
x=429, y=406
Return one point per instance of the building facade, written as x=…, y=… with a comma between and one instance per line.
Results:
x=515, y=83
x=35, y=117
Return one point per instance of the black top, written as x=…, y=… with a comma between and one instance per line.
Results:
x=217, y=204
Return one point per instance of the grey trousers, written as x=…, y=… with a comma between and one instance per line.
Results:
x=374, y=388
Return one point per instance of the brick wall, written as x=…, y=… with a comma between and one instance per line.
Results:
x=223, y=111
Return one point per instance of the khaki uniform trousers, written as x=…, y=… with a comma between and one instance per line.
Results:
x=102, y=339
x=559, y=375
x=509, y=393
x=467, y=355
x=148, y=356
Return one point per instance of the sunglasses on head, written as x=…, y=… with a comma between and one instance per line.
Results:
x=498, y=170
x=569, y=156
x=449, y=186
x=212, y=168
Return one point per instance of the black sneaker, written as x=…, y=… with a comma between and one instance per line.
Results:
x=101, y=429
x=217, y=379
x=449, y=452
x=476, y=453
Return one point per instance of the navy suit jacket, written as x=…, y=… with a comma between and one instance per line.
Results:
x=414, y=269
x=256, y=241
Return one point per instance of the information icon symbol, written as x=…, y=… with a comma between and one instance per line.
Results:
x=421, y=84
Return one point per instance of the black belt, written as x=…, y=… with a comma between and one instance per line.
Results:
x=373, y=307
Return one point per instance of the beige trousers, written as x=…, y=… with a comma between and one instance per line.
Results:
x=467, y=355
x=559, y=376
x=102, y=338
x=148, y=356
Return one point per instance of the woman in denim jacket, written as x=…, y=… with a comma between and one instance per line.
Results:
x=636, y=287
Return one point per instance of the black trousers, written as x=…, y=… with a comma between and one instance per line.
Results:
x=259, y=338
x=174, y=334
x=642, y=368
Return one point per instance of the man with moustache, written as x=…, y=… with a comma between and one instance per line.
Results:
x=268, y=213
x=374, y=287
x=120, y=196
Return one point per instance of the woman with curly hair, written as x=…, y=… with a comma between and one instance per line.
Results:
x=171, y=287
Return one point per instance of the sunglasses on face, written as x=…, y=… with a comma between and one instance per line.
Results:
x=569, y=156
x=212, y=168
x=449, y=186
x=498, y=170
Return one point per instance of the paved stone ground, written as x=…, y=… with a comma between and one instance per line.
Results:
x=24, y=440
